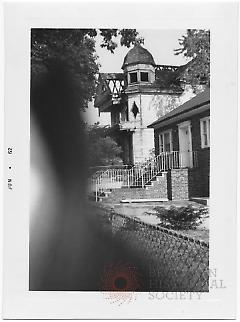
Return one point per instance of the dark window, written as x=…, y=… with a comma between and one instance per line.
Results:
x=133, y=77
x=144, y=77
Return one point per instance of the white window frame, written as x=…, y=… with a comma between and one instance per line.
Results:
x=202, y=120
x=171, y=143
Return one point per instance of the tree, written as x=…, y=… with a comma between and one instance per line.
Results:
x=63, y=69
x=196, y=46
x=102, y=148
x=75, y=50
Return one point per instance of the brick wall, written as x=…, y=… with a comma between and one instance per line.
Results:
x=176, y=184
x=157, y=189
x=186, y=183
x=178, y=188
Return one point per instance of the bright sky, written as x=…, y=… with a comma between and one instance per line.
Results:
x=160, y=43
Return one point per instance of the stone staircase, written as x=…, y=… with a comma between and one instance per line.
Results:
x=163, y=176
x=156, y=189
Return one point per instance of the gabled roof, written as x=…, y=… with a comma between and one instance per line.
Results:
x=197, y=101
x=109, y=89
x=113, y=82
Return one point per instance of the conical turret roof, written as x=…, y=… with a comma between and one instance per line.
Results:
x=138, y=55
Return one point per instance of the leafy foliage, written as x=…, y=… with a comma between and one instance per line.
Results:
x=181, y=218
x=127, y=37
x=74, y=49
x=196, y=45
x=102, y=148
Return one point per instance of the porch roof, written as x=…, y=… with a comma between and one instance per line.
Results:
x=196, y=105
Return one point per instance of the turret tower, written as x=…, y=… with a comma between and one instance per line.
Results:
x=138, y=66
x=139, y=74
x=138, y=97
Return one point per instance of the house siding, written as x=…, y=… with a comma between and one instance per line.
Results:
x=199, y=175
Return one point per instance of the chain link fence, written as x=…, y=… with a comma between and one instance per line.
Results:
x=172, y=262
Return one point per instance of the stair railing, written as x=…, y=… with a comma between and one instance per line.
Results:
x=151, y=169
x=140, y=174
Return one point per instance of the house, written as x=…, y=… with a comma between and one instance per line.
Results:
x=153, y=108
x=184, y=135
x=137, y=97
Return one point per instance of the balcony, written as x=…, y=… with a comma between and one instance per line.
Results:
x=127, y=125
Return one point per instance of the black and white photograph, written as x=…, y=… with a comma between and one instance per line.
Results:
x=118, y=194
x=121, y=160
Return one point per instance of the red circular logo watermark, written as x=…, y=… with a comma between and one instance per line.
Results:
x=120, y=282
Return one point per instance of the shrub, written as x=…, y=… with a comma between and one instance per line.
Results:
x=102, y=148
x=181, y=218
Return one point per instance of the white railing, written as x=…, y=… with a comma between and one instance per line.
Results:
x=106, y=167
x=141, y=174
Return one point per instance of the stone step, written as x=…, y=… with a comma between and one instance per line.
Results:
x=154, y=190
x=202, y=200
x=143, y=200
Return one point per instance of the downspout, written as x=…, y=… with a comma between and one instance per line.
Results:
x=141, y=110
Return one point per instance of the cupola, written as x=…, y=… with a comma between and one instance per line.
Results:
x=138, y=65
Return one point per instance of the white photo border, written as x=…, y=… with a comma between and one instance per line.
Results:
x=221, y=19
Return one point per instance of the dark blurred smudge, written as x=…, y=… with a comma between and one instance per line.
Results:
x=56, y=109
x=68, y=249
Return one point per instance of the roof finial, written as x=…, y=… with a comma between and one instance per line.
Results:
x=138, y=41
